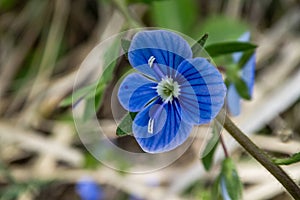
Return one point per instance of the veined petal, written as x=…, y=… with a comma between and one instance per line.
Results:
x=202, y=90
x=170, y=130
x=136, y=91
x=233, y=101
x=157, y=46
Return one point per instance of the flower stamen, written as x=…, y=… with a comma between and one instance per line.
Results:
x=150, y=61
x=168, y=89
x=150, y=125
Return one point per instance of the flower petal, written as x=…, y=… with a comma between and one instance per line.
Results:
x=202, y=90
x=170, y=132
x=168, y=49
x=136, y=91
x=233, y=101
x=248, y=73
x=88, y=189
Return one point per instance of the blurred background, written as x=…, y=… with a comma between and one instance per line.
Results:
x=43, y=43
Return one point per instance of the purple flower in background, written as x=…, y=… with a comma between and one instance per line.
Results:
x=88, y=189
x=172, y=91
x=247, y=74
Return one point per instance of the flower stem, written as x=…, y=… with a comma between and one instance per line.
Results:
x=260, y=156
x=224, y=146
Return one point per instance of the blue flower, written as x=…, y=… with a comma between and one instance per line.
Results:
x=172, y=93
x=247, y=74
x=88, y=189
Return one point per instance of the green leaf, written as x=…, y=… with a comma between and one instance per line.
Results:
x=7, y=4
x=244, y=59
x=242, y=88
x=223, y=48
x=222, y=28
x=125, y=127
x=125, y=45
x=198, y=47
x=12, y=192
x=179, y=15
x=93, y=93
x=78, y=95
x=90, y=162
x=227, y=82
x=215, y=191
x=233, y=183
x=208, y=153
x=287, y=161
x=202, y=40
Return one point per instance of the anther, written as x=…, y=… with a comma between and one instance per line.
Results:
x=151, y=61
x=150, y=125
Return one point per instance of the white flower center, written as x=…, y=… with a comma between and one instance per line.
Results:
x=168, y=89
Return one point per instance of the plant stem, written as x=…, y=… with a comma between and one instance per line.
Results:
x=224, y=146
x=260, y=156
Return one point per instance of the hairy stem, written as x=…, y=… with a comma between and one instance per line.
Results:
x=260, y=156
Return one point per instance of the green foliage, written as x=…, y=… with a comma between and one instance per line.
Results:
x=223, y=48
x=93, y=93
x=7, y=4
x=198, y=47
x=125, y=127
x=287, y=161
x=90, y=162
x=228, y=182
x=197, y=190
x=13, y=191
x=179, y=15
x=208, y=153
x=79, y=95
x=215, y=190
x=125, y=46
x=242, y=88
x=232, y=180
x=221, y=28
x=233, y=77
x=244, y=59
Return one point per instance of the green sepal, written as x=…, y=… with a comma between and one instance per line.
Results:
x=125, y=127
x=198, y=47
